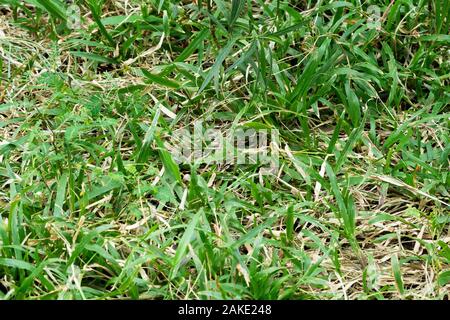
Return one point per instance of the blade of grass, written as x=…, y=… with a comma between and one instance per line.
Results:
x=397, y=274
x=214, y=71
x=183, y=244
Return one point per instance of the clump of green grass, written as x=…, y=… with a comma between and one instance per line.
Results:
x=93, y=205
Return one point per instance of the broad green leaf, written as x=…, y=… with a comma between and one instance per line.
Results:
x=444, y=278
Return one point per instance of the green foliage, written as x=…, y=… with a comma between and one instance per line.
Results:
x=94, y=204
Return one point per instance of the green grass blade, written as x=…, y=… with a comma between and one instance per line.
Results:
x=214, y=71
x=183, y=244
